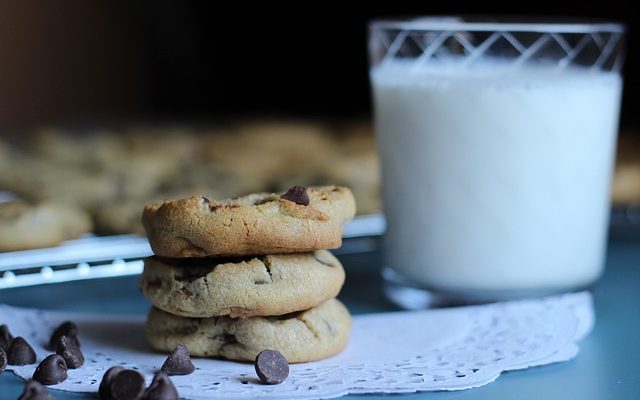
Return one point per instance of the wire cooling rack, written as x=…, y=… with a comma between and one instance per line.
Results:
x=98, y=257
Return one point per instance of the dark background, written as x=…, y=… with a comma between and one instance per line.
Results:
x=77, y=61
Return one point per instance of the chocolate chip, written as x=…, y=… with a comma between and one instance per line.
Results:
x=190, y=274
x=216, y=207
x=271, y=366
x=68, y=348
x=178, y=362
x=3, y=360
x=5, y=337
x=52, y=370
x=105, y=385
x=67, y=328
x=127, y=384
x=33, y=390
x=161, y=388
x=228, y=338
x=20, y=352
x=298, y=195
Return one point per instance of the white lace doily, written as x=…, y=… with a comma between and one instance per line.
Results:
x=443, y=349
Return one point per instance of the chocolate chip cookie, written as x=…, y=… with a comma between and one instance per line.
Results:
x=27, y=226
x=255, y=224
x=302, y=336
x=242, y=287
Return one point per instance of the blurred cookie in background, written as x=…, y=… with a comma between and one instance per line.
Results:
x=176, y=145
x=124, y=215
x=626, y=179
x=360, y=172
x=38, y=179
x=113, y=173
x=213, y=178
x=355, y=164
x=86, y=148
x=33, y=225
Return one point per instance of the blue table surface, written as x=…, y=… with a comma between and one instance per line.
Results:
x=608, y=366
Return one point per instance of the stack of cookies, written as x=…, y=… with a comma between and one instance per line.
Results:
x=234, y=277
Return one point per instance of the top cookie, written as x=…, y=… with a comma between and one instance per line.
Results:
x=250, y=225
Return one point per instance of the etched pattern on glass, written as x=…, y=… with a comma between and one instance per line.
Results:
x=595, y=49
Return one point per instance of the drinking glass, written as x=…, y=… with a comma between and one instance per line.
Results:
x=497, y=143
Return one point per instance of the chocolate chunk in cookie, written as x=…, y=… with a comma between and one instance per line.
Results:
x=298, y=195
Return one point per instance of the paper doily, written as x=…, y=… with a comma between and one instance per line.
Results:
x=401, y=352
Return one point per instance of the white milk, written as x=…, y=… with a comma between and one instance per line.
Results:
x=497, y=179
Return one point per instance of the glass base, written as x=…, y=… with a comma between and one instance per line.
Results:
x=406, y=294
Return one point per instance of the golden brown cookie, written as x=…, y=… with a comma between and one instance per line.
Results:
x=255, y=224
x=245, y=287
x=302, y=336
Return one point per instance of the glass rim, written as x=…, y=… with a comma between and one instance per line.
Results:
x=498, y=24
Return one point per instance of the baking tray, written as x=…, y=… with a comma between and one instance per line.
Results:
x=97, y=257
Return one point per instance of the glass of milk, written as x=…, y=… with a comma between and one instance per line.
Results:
x=497, y=143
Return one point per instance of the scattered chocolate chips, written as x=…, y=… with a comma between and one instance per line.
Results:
x=161, y=388
x=104, y=390
x=68, y=348
x=52, y=370
x=178, y=362
x=5, y=337
x=67, y=328
x=271, y=366
x=33, y=390
x=127, y=384
x=20, y=352
x=3, y=360
x=298, y=195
